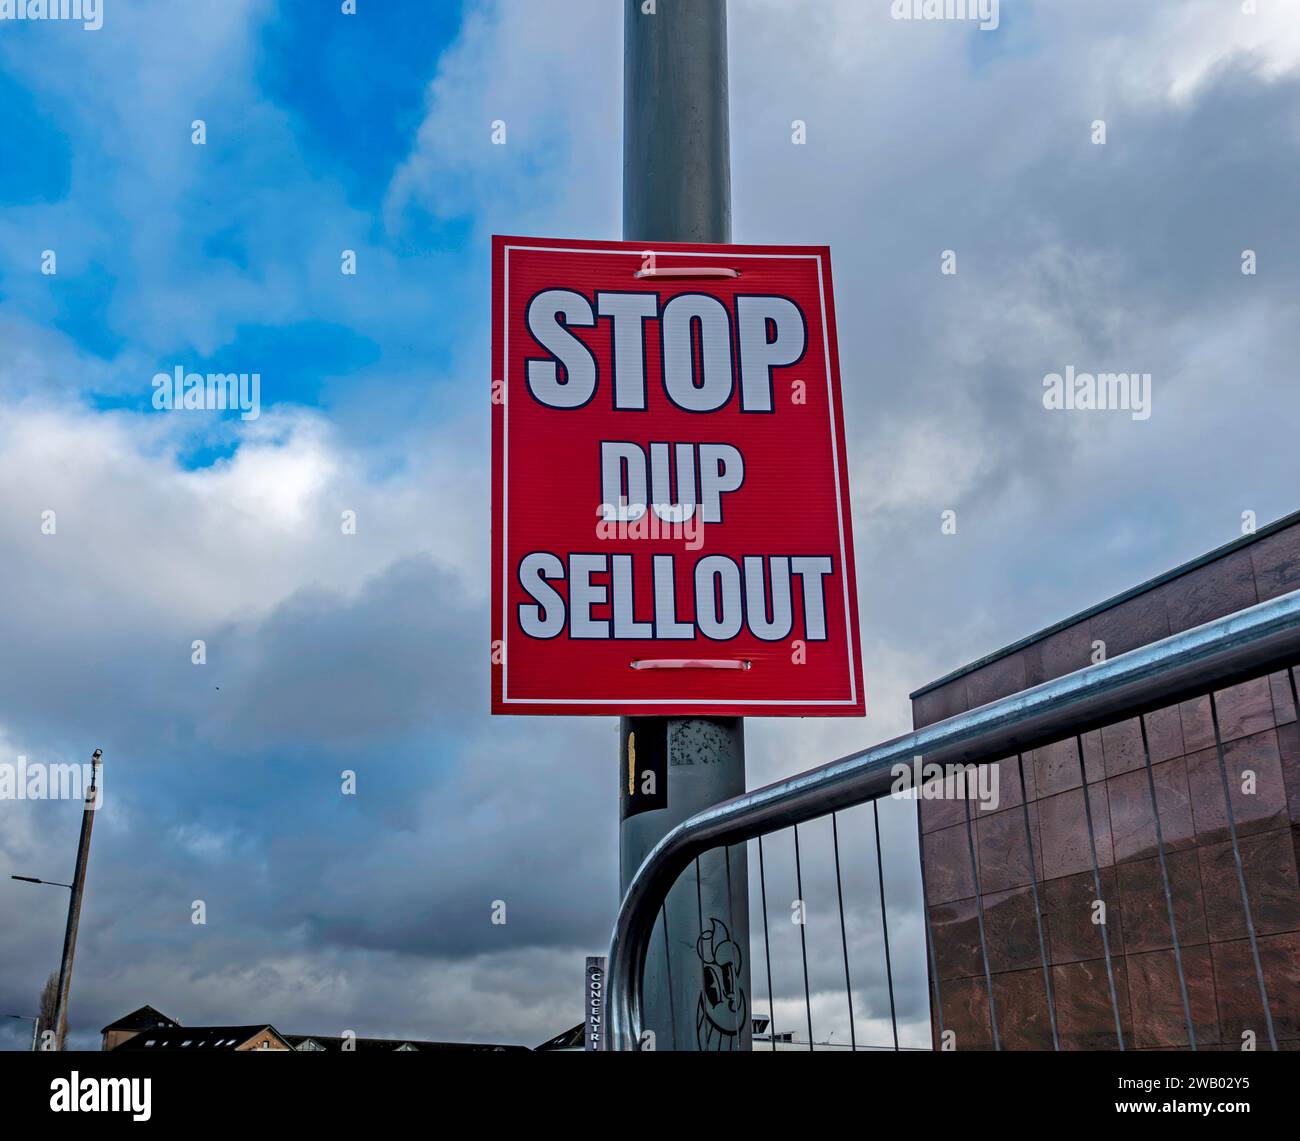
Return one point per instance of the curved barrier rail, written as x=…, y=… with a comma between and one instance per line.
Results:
x=1216, y=655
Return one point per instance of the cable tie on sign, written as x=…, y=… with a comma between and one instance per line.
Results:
x=688, y=271
x=690, y=664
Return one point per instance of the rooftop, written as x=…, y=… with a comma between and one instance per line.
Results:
x=145, y=1018
x=206, y=1038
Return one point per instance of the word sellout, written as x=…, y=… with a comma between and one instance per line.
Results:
x=725, y=598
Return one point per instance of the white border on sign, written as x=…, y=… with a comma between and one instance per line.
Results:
x=505, y=497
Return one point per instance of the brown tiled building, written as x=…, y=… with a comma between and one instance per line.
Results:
x=1126, y=970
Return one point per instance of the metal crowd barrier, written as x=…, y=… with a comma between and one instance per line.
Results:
x=1230, y=650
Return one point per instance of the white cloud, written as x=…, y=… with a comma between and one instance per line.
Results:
x=1200, y=38
x=227, y=541
x=549, y=71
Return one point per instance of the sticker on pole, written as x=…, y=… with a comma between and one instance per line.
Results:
x=670, y=500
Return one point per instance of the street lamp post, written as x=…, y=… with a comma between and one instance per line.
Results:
x=77, y=887
x=34, y=1019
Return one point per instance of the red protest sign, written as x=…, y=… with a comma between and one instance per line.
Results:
x=670, y=502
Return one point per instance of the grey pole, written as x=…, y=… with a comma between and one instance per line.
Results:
x=676, y=137
x=677, y=187
x=74, y=902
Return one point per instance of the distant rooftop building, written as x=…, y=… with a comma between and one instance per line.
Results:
x=150, y=1029
x=575, y=1039
x=759, y=1024
x=316, y=1042
x=128, y=1026
x=208, y=1039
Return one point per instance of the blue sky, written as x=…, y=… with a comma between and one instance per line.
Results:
x=304, y=139
x=367, y=653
